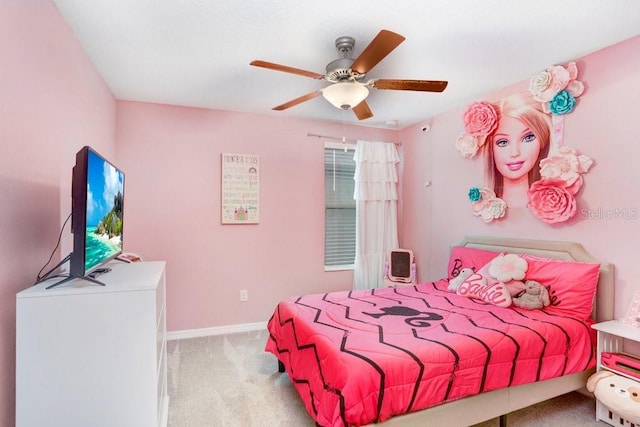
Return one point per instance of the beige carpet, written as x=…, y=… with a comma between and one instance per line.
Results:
x=229, y=381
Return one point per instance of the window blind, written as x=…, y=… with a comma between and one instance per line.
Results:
x=340, y=207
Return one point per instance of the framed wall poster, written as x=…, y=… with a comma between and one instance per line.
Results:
x=240, y=188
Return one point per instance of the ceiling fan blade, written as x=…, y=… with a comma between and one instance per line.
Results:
x=420, y=85
x=362, y=111
x=375, y=52
x=297, y=101
x=286, y=69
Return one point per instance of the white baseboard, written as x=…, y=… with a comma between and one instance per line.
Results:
x=216, y=330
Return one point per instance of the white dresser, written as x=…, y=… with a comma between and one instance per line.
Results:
x=90, y=355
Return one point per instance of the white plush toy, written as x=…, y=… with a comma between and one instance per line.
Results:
x=455, y=283
x=618, y=393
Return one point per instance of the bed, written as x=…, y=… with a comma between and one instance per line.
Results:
x=423, y=355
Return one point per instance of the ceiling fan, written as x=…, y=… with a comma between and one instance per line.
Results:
x=349, y=87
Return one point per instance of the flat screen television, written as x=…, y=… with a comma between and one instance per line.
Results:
x=97, y=193
x=97, y=202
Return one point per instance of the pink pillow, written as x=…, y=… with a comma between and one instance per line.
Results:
x=465, y=257
x=476, y=286
x=571, y=284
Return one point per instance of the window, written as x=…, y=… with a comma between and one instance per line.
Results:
x=340, y=207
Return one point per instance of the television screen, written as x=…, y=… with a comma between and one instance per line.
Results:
x=97, y=212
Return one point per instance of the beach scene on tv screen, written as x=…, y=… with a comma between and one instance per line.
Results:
x=105, y=189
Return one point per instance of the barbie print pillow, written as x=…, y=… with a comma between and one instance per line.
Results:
x=467, y=257
x=476, y=286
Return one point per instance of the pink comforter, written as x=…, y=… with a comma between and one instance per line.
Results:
x=363, y=356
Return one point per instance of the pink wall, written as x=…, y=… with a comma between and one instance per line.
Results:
x=171, y=159
x=603, y=127
x=52, y=101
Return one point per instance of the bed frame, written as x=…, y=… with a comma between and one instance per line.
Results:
x=498, y=403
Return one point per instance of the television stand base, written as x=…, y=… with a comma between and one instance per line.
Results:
x=68, y=278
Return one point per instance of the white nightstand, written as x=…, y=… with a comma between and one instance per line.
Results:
x=611, y=337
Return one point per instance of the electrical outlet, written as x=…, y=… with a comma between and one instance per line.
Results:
x=244, y=295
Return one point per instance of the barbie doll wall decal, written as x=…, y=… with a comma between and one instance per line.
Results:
x=521, y=138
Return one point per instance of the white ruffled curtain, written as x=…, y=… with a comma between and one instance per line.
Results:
x=376, y=196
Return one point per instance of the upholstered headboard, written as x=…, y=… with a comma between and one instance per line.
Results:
x=603, y=307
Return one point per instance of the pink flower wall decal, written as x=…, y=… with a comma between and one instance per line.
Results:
x=551, y=201
x=480, y=118
x=467, y=145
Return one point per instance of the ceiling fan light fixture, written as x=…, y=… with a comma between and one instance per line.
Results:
x=345, y=95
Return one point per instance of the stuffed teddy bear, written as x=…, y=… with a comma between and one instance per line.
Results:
x=620, y=394
x=534, y=296
x=455, y=283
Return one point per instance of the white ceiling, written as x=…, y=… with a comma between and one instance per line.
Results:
x=197, y=52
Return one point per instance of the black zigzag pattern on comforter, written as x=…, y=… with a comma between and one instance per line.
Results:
x=360, y=357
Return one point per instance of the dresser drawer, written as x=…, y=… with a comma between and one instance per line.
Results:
x=162, y=381
x=161, y=337
x=160, y=296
